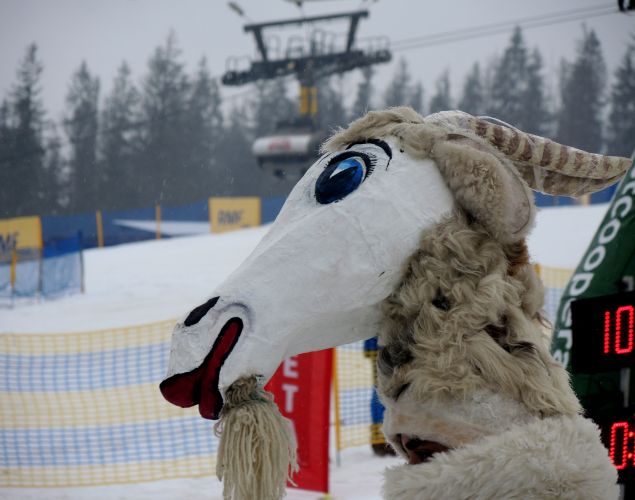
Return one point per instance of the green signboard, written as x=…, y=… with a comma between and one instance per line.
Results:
x=607, y=267
x=596, y=315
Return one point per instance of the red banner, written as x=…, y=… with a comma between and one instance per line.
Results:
x=302, y=390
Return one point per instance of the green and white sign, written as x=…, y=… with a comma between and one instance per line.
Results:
x=607, y=267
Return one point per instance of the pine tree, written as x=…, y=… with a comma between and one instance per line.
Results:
x=510, y=82
x=163, y=111
x=119, y=142
x=536, y=117
x=331, y=110
x=416, y=98
x=55, y=194
x=22, y=143
x=398, y=91
x=203, y=127
x=517, y=90
x=365, y=90
x=236, y=167
x=621, y=122
x=271, y=106
x=473, y=98
x=6, y=158
x=441, y=100
x=86, y=180
x=582, y=86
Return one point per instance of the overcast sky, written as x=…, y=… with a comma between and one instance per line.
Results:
x=104, y=33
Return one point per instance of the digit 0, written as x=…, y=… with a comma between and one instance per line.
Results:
x=629, y=328
x=618, y=450
x=624, y=322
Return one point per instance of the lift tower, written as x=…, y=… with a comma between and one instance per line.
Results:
x=319, y=55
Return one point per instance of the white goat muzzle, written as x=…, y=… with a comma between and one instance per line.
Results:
x=316, y=279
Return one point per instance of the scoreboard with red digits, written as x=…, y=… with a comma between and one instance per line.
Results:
x=604, y=328
x=618, y=435
x=603, y=340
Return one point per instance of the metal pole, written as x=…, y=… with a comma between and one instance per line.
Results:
x=157, y=215
x=336, y=403
x=100, y=229
x=14, y=263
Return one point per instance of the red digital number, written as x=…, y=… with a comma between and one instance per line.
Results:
x=618, y=450
x=624, y=320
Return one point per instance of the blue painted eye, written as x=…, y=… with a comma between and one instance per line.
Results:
x=340, y=178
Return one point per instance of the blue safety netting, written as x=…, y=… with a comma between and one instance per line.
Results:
x=27, y=273
x=62, y=267
x=56, y=269
x=5, y=277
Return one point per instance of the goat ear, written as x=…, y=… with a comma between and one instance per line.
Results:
x=487, y=186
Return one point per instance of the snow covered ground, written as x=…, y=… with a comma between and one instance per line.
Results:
x=358, y=478
x=157, y=280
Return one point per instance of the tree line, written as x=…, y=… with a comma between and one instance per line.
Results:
x=166, y=140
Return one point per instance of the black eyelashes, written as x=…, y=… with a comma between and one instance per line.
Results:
x=377, y=142
x=370, y=160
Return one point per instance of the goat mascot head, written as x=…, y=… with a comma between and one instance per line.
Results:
x=412, y=229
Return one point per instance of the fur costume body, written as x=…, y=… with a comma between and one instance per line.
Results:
x=551, y=458
x=465, y=363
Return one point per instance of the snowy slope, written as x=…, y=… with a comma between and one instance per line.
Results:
x=358, y=478
x=156, y=280
x=562, y=234
x=139, y=283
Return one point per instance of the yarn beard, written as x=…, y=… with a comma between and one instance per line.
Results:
x=257, y=449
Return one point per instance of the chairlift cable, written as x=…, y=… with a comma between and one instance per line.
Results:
x=495, y=28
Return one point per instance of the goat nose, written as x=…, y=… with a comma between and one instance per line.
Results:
x=200, y=386
x=198, y=312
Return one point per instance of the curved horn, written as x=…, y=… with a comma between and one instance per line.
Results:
x=545, y=165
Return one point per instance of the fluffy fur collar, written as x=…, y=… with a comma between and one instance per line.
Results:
x=556, y=457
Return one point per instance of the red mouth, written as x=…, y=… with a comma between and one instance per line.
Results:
x=200, y=386
x=418, y=450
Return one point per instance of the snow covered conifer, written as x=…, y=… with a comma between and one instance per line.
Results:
x=22, y=141
x=163, y=108
x=80, y=123
x=119, y=138
x=441, y=100
x=363, y=99
x=582, y=96
x=473, y=98
x=621, y=123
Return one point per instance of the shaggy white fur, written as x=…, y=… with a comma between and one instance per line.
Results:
x=556, y=457
x=452, y=422
x=486, y=335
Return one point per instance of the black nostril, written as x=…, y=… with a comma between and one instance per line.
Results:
x=198, y=312
x=440, y=301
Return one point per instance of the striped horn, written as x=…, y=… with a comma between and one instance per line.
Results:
x=545, y=165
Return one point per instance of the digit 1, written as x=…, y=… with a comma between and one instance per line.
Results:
x=607, y=332
x=618, y=330
x=623, y=444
